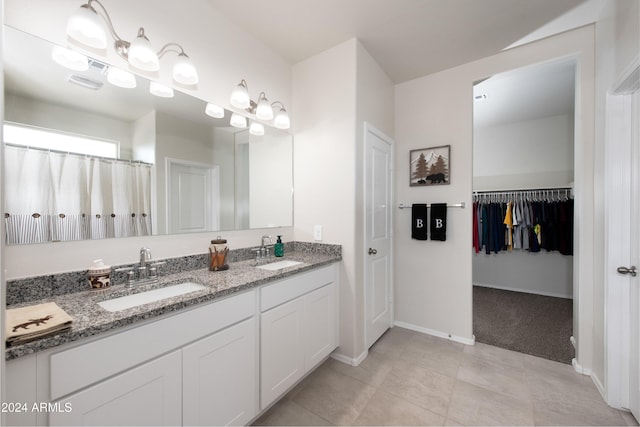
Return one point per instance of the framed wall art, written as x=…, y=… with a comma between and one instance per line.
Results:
x=430, y=166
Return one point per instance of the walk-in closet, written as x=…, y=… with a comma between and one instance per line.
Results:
x=523, y=215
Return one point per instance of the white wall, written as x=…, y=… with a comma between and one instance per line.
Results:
x=541, y=273
x=324, y=152
x=206, y=36
x=433, y=279
x=530, y=154
x=334, y=93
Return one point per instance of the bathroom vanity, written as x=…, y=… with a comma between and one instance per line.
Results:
x=214, y=356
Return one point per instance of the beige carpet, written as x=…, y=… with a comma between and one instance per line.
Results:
x=532, y=324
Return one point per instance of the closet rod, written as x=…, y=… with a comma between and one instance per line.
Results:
x=457, y=205
x=523, y=190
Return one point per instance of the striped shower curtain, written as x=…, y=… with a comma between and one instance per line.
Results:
x=52, y=196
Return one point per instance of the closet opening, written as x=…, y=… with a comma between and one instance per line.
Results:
x=523, y=175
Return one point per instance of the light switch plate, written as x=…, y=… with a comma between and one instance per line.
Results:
x=317, y=232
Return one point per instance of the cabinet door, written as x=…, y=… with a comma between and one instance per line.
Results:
x=219, y=377
x=282, y=349
x=320, y=325
x=150, y=394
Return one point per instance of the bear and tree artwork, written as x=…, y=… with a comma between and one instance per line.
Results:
x=429, y=166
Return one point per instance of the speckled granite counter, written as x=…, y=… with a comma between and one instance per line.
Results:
x=89, y=319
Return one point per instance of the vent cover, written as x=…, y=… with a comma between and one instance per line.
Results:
x=98, y=67
x=84, y=82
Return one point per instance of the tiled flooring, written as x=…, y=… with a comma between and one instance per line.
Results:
x=415, y=379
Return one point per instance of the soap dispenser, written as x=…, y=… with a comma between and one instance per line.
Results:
x=278, y=248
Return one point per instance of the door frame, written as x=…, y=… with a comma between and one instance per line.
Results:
x=370, y=129
x=622, y=130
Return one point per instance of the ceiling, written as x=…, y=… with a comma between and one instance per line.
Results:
x=415, y=38
x=408, y=38
x=534, y=92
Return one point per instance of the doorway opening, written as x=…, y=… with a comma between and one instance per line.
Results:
x=523, y=175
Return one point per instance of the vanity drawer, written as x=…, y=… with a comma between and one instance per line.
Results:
x=300, y=284
x=86, y=364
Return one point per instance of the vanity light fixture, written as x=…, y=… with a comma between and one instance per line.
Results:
x=121, y=78
x=160, y=90
x=69, y=58
x=262, y=109
x=85, y=27
x=214, y=110
x=281, y=120
x=256, y=129
x=238, y=121
x=240, y=96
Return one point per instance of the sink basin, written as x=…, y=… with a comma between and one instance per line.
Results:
x=130, y=301
x=279, y=264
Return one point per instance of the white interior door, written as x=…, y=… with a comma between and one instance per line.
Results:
x=623, y=249
x=192, y=197
x=378, y=243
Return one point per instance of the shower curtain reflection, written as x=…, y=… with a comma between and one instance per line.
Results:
x=52, y=196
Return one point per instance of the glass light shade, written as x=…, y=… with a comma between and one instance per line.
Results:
x=121, y=78
x=184, y=72
x=70, y=59
x=240, y=96
x=282, y=121
x=214, y=110
x=256, y=129
x=264, y=110
x=160, y=90
x=85, y=27
x=141, y=55
x=238, y=121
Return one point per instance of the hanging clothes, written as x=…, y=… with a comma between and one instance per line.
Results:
x=530, y=220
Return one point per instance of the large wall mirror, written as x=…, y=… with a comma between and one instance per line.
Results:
x=167, y=166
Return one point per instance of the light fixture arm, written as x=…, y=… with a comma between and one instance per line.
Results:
x=167, y=48
x=107, y=19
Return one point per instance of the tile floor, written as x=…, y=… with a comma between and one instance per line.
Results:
x=415, y=379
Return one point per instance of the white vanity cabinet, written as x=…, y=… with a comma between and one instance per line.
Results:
x=298, y=329
x=149, y=395
x=145, y=374
x=220, y=378
x=219, y=363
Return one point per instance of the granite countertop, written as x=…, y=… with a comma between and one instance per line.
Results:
x=89, y=319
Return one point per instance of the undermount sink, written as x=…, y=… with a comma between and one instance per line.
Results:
x=130, y=301
x=279, y=264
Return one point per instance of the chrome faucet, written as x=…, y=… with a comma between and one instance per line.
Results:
x=262, y=253
x=144, y=272
x=145, y=257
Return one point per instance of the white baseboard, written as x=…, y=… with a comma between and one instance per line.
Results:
x=348, y=360
x=463, y=340
x=526, y=291
x=579, y=368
